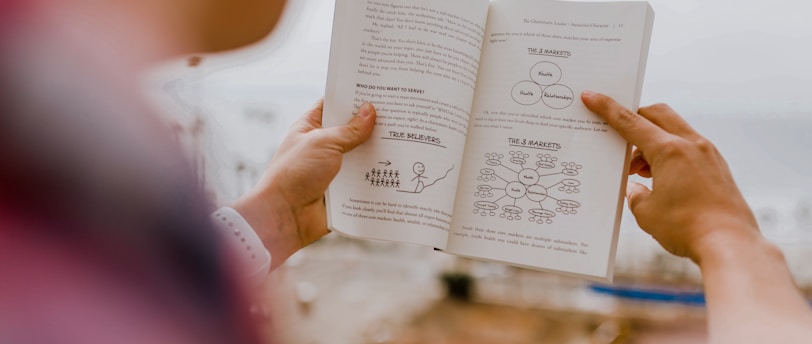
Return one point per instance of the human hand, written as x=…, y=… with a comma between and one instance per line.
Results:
x=287, y=207
x=694, y=204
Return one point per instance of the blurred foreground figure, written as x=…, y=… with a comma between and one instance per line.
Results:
x=103, y=236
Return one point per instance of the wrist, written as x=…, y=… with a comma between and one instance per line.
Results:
x=724, y=248
x=247, y=247
x=272, y=218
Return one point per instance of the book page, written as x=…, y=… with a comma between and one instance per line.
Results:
x=416, y=61
x=542, y=180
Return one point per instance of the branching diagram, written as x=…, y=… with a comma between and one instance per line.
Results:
x=543, y=85
x=508, y=187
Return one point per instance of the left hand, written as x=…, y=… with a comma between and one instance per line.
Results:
x=287, y=207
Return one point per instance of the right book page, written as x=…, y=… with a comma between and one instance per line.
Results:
x=542, y=178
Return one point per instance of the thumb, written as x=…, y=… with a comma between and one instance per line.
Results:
x=356, y=131
x=636, y=195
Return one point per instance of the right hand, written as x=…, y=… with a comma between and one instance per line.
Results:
x=694, y=206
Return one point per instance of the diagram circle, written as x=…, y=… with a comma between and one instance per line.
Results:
x=526, y=92
x=571, y=182
x=557, y=96
x=485, y=205
x=567, y=203
x=512, y=209
x=515, y=190
x=545, y=73
x=536, y=193
x=528, y=176
x=545, y=164
x=518, y=161
x=542, y=213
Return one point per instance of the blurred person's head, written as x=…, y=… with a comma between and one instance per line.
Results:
x=228, y=24
x=156, y=27
x=103, y=229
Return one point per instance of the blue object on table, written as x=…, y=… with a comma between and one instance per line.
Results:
x=652, y=295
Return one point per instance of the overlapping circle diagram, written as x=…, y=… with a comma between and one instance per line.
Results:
x=543, y=86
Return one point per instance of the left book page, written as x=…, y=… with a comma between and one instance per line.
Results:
x=417, y=62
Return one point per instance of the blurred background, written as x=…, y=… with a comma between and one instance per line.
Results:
x=738, y=70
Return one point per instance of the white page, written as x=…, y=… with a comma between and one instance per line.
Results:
x=416, y=61
x=542, y=178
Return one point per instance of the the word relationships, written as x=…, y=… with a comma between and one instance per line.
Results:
x=557, y=96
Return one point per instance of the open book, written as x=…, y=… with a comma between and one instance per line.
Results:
x=482, y=147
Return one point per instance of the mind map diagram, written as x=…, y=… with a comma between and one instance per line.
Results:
x=543, y=85
x=544, y=184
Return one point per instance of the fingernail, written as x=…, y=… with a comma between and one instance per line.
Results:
x=587, y=94
x=365, y=110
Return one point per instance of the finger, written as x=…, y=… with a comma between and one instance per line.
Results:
x=636, y=195
x=665, y=117
x=636, y=129
x=311, y=119
x=645, y=172
x=355, y=132
x=638, y=162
